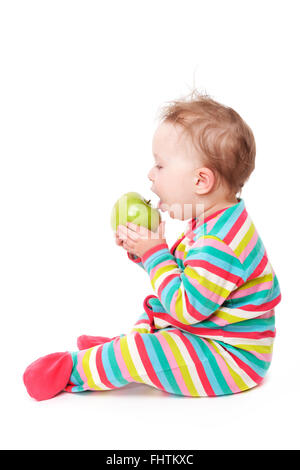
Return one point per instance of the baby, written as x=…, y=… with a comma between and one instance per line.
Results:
x=209, y=328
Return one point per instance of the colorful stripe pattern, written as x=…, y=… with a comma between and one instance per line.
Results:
x=210, y=327
x=216, y=282
x=169, y=360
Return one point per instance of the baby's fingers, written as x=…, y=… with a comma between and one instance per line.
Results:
x=118, y=240
x=127, y=234
x=122, y=243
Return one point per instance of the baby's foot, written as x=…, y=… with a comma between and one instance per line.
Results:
x=87, y=342
x=48, y=375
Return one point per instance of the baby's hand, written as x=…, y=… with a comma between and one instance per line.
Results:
x=121, y=242
x=118, y=240
x=138, y=239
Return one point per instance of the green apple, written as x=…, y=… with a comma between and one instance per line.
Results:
x=132, y=207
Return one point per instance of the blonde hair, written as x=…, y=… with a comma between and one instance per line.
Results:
x=220, y=134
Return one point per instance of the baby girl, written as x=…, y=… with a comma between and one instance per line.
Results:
x=209, y=327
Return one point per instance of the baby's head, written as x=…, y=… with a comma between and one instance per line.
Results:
x=204, y=152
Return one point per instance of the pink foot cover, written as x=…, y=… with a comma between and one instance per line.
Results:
x=48, y=375
x=87, y=342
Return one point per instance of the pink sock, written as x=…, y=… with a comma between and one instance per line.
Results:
x=86, y=342
x=48, y=375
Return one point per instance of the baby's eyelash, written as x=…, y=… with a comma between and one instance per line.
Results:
x=158, y=167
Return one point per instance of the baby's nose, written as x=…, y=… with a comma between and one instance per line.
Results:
x=150, y=175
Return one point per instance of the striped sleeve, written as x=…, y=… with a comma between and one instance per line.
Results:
x=211, y=273
x=135, y=259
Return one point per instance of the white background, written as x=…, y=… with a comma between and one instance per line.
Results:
x=81, y=85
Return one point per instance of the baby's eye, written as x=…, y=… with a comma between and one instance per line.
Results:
x=158, y=167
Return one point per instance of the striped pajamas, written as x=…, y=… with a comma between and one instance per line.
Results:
x=170, y=360
x=210, y=327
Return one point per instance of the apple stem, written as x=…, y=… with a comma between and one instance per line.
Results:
x=148, y=202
